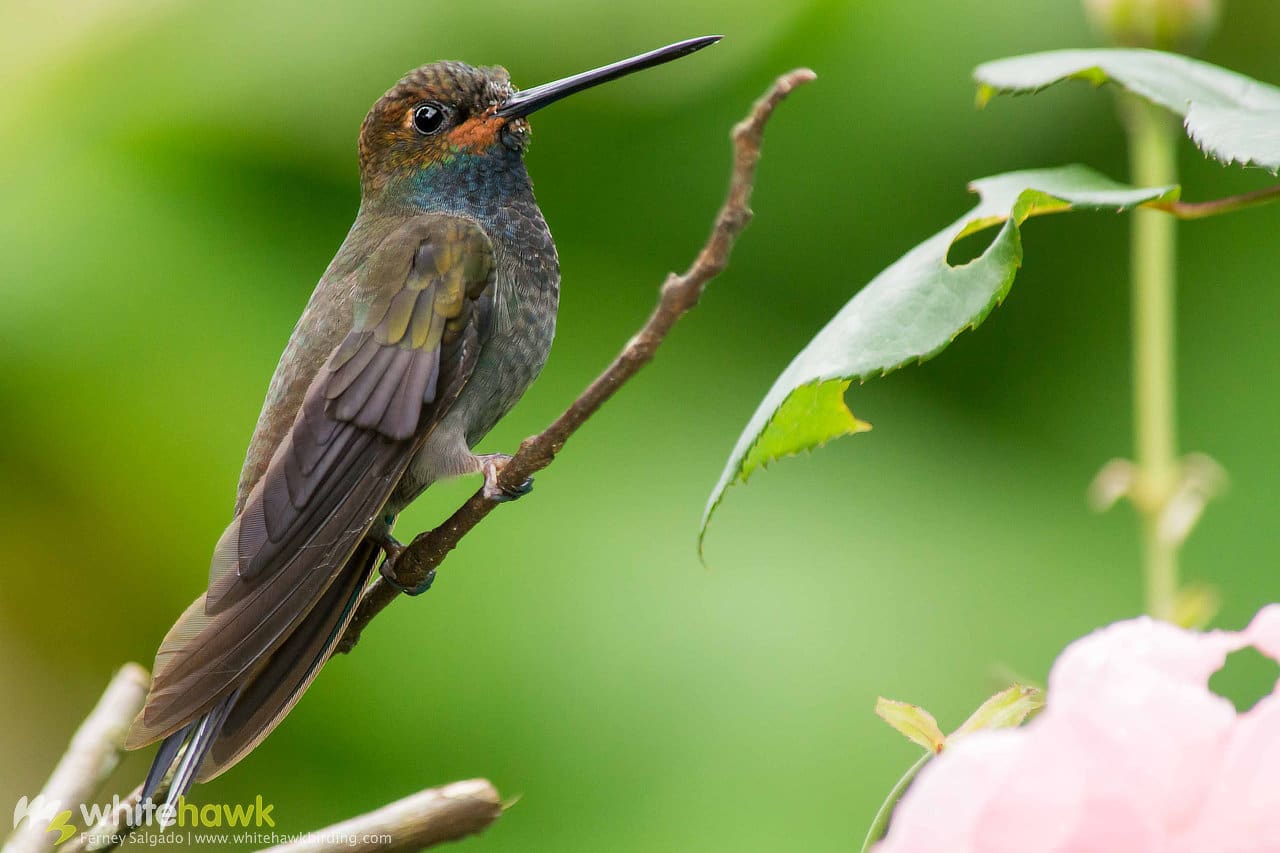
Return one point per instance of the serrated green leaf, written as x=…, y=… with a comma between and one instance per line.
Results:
x=912, y=722
x=1005, y=710
x=1231, y=117
x=910, y=312
x=810, y=417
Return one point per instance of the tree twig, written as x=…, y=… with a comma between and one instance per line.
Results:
x=90, y=758
x=424, y=819
x=679, y=294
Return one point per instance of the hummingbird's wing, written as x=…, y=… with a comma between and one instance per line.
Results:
x=365, y=414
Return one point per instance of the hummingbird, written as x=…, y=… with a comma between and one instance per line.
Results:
x=434, y=317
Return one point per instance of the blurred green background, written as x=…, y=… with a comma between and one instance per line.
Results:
x=177, y=175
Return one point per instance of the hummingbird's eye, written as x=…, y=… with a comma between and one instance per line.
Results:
x=428, y=118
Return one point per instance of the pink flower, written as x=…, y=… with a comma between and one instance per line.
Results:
x=1133, y=753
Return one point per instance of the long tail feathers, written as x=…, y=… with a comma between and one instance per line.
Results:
x=168, y=752
x=214, y=741
x=188, y=749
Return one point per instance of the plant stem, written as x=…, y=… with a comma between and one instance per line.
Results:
x=1218, y=206
x=1153, y=137
x=880, y=825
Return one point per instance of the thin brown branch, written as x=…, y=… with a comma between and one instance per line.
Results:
x=90, y=758
x=1218, y=206
x=679, y=294
x=424, y=819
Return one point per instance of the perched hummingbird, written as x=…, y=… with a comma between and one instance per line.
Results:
x=431, y=321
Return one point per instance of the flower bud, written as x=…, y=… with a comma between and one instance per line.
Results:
x=1180, y=25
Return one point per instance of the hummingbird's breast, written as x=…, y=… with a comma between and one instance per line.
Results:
x=516, y=332
x=519, y=327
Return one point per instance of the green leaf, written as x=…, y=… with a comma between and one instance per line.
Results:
x=910, y=312
x=1005, y=710
x=912, y=722
x=808, y=418
x=1231, y=117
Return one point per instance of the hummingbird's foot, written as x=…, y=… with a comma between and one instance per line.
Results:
x=391, y=551
x=391, y=547
x=491, y=465
x=388, y=572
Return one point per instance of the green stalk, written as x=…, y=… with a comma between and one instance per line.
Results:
x=1218, y=206
x=1153, y=138
x=880, y=825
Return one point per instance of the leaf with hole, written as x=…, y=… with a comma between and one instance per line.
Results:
x=911, y=312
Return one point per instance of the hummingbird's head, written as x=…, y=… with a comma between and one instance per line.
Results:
x=450, y=115
x=435, y=115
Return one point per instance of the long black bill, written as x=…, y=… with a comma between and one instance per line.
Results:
x=523, y=103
